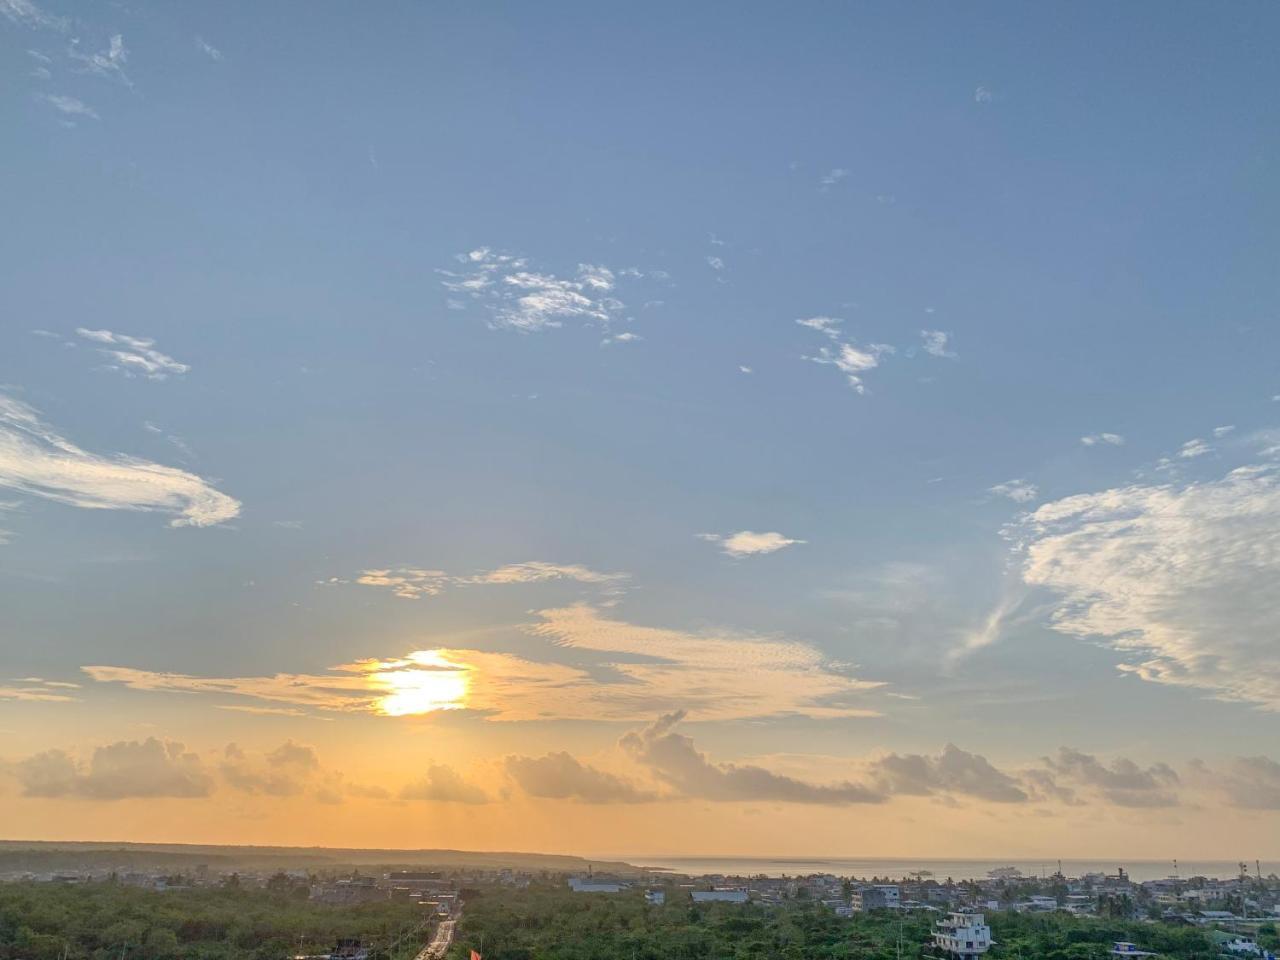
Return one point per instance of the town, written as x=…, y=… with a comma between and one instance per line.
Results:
x=937, y=917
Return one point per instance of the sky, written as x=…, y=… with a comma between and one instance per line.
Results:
x=743, y=429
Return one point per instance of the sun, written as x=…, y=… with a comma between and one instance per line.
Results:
x=424, y=682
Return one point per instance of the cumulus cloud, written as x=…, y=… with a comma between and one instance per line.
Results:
x=951, y=771
x=1018, y=490
x=616, y=671
x=443, y=784
x=413, y=583
x=129, y=768
x=1179, y=578
x=937, y=343
x=673, y=759
x=747, y=543
x=519, y=298
x=1249, y=783
x=134, y=356
x=1122, y=782
x=37, y=461
x=561, y=776
x=1111, y=439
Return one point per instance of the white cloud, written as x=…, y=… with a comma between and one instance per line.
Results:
x=983, y=95
x=1112, y=439
x=37, y=689
x=1221, y=432
x=1180, y=579
x=832, y=177
x=627, y=337
x=844, y=355
x=1194, y=448
x=108, y=63
x=37, y=461
x=134, y=355
x=528, y=301
x=29, y=15
x=70, y=106
x=715, y=263
x=746, y=543
x=413, y=583
x=743, y=369
x=1017, y=490
x=212, y=52
x=937, y=343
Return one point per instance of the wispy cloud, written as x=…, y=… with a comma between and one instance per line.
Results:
x=847, y=357
x=603, y=669
x=937, y=343
x=108, y=63
x=1178, y=578
x=134, y=355
x=29, y=15
x=208, y=49
x=1194, y=448
x=746, y=543
x=1018, y=490
x=832, y=177
x=1111, y=439
x=413, y=583
x=517, y=297
x=983, y=95
x=69, y=106
x=37, y=461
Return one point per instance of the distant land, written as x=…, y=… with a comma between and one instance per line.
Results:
x=53, y=855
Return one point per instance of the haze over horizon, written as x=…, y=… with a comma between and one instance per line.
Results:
x=571, y=428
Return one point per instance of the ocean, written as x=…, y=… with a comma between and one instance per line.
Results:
x=939, y=869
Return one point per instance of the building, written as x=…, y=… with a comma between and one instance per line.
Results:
x=656, y=897
x=882, y=896
x=590, y=885
x=719, y=896
x=349, y=950
x=962, y=935
x=1123, y=948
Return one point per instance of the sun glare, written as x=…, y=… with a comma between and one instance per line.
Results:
x=422, y=683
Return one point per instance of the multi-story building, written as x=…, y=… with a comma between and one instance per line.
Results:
x=881, y=896
x=963, y=935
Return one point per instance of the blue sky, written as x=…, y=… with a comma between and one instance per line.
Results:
x=413, y=294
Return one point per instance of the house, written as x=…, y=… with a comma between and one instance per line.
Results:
x=349, y=949
x=656, y=897
x=881, y=896
x=590, y=885
x=962, y=935
x=1123, y=948
x=726, y=895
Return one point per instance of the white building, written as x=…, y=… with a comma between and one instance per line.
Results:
x=1123, y=948
x=963, y=935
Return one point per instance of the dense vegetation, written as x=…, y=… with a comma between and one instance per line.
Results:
x=106, y=921
x=549, y=923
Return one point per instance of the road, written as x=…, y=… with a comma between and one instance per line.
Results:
x=435, y=950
